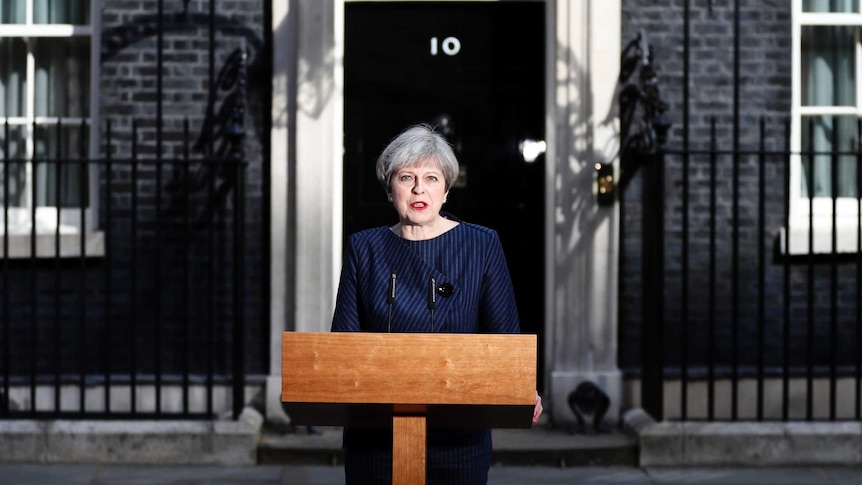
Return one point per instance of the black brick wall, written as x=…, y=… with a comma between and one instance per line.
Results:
x=128, y=91
x=764, y=92
x=202, y=318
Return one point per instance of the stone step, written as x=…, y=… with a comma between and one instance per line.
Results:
x=540, y=446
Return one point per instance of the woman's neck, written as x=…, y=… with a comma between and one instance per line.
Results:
x=412, y=232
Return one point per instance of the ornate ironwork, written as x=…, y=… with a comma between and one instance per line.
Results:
x=222, y=133
x=652, y=132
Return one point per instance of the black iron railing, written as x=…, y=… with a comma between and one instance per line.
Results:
x=741, y=302
x=125, y=273
x=136, y=309
x=742, y=290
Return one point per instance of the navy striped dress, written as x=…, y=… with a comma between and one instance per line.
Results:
x=470, y=259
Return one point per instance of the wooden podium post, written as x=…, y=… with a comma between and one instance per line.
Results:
x=411, y=381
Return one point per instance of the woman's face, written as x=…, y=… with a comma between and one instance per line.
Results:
x=418, y=192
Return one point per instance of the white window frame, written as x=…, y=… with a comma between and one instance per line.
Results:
x=20, y=230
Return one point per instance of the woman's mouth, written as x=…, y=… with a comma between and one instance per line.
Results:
x=419, y=205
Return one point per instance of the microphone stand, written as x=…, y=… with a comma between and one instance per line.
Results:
x=390, y=300
x=432, y=299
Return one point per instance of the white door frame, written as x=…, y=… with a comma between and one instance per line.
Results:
x=582, y=53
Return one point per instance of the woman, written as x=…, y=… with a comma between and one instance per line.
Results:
x=425, y=250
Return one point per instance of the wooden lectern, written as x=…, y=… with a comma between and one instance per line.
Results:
x=410, y=380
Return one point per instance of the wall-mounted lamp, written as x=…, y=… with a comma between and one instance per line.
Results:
x=605, y=183
x=531, y=149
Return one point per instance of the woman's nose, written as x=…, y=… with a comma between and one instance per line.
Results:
x=418, y=188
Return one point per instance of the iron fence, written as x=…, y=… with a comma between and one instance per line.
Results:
x=138, y=313
x=733, y=309
x=740, y=279
x=134, y=272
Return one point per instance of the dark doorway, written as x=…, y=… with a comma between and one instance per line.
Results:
x=475, y=70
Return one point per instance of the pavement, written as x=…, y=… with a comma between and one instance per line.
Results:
x=542, y=455
x=25, y=474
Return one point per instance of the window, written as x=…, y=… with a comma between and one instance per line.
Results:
x=826, y=109
x=48, y=73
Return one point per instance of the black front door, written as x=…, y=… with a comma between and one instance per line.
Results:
x=476, y=71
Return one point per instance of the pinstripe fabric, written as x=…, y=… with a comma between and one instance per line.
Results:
x=468, y=256
x=471, y=259
x=459, y=462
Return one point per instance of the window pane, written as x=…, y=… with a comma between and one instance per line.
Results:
x=828, y=66
x=71, y=144
x=13, y=12
x=821, y=131
x=62, y=76
x=13, y=77
x=12, y=156
x=834, y=6
x=61, y=12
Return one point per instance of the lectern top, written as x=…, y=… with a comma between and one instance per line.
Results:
x=409, y=368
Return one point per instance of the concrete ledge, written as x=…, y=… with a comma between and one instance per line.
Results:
x=538, y=446
x=745, y=443
x=132, y=442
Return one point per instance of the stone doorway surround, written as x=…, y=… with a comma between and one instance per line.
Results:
x=582, y=64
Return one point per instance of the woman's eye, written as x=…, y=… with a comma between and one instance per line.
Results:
x=432, y=178
x=405, y=178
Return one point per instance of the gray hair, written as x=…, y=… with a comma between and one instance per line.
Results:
x=416, y=144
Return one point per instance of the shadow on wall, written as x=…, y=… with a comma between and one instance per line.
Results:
x=577, y=217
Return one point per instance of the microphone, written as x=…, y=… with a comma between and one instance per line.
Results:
x=390, y=299
x=446, y=290
x=432, y=298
